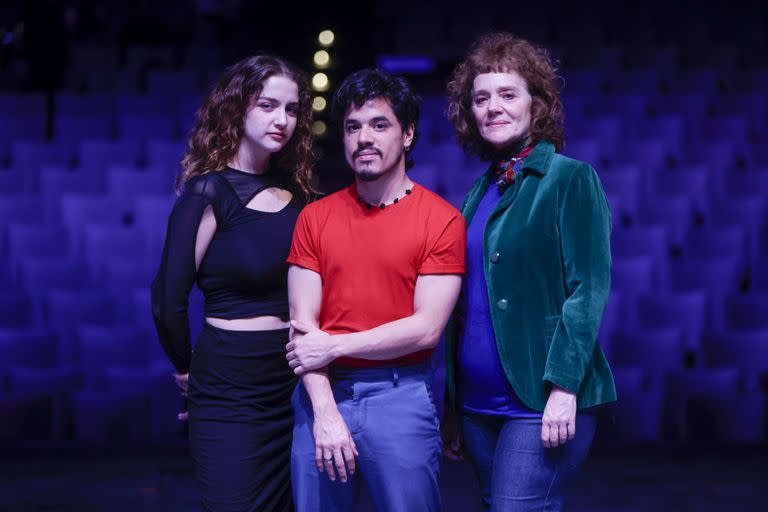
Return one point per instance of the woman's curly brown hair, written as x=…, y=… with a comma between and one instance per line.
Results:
x=502, y=52
x=220, y=123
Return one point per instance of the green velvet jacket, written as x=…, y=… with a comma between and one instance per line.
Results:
x=547, y=264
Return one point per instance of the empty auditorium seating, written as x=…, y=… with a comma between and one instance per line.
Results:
x=685, y=311
x=638, y=416
x=623, y=184
x=73, y=128
x=28, y=347
x=166, y=153
x=126, y=181
x=675, y=213
x=655, y=350
x=35, y=241
x=746, y=311
x=631, y=276
x=96, y=155
x=16, y=308
x=745, y=350
x=714, y=405
x=67, y=310
x=100, y=347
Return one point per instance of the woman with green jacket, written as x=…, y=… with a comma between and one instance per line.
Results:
x=523, y=364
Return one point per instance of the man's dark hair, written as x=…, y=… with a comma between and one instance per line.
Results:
x=368, y=84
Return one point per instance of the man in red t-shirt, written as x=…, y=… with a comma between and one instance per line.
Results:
x=375, y=272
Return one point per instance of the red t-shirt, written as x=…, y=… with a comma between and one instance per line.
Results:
x=369, y=258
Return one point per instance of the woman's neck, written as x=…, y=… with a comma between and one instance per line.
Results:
x=513, y=148
x=247, y=160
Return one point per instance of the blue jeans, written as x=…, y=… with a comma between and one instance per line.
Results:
x=392, y=418
x=516, y=472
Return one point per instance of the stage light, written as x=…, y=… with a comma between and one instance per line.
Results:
x=325, y=38
x=322, y=59
x=319, y=128
x=320, y=82
x=319, y=104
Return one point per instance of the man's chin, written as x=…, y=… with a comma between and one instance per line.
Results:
x=367, y=175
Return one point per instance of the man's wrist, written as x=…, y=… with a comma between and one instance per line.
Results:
x=338, y=346
x=324, y=409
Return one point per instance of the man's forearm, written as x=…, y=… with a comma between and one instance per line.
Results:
x=318, y=387
x=434, y=299
x=316, y=383
x=388, y=341
x=305, y=295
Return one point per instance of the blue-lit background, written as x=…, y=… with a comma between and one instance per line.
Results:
x=669, y=103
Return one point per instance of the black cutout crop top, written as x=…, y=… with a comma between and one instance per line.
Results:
x=243, y=273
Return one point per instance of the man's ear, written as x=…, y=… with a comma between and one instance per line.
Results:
x=408, y=134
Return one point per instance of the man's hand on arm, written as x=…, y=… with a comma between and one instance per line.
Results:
x=310, y=348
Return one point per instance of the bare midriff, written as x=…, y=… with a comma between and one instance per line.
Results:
x=256, y=323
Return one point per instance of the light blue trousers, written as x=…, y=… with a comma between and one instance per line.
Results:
x=392, y=418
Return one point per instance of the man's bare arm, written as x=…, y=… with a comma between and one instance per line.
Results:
x=333, y=443
x=434, y=299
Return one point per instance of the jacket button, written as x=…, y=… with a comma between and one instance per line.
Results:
x=502, y=304
x=495, y=256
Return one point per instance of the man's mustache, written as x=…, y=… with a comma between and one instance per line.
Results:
x=366, y=148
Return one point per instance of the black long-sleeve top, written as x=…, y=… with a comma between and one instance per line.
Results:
x=243, y=273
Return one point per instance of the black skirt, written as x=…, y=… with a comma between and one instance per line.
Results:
x=241, y=420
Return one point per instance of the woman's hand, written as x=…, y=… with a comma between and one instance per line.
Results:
x=558, y=423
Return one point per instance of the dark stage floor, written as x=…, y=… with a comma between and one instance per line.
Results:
x=617, y=478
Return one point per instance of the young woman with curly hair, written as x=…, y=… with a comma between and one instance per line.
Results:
x=247, y=173
x=524, y=369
